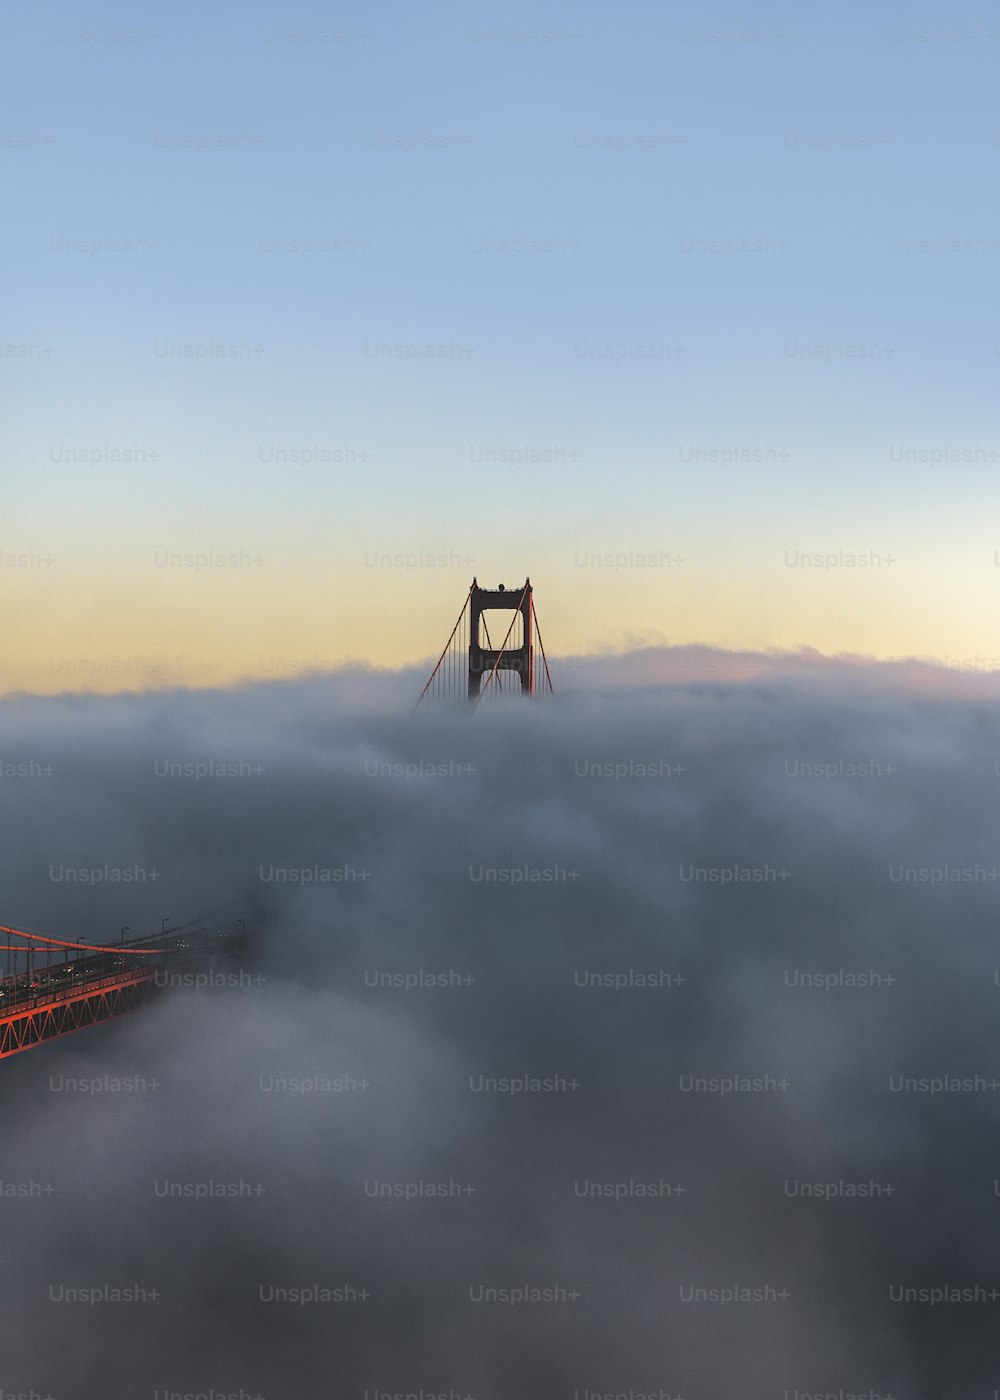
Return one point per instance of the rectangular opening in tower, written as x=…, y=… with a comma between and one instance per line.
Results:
x=494, y=623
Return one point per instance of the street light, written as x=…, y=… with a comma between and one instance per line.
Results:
x=243, y=927
x=163, y=925
x=125, y=930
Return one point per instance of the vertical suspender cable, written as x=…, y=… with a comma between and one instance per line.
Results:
x=541, y=644
x=447, y=645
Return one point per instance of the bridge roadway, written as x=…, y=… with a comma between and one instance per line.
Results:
x=65, y=989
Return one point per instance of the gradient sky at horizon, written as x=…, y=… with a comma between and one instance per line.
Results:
x=847, y=148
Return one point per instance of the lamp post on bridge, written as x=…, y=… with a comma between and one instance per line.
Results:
x=163, y=928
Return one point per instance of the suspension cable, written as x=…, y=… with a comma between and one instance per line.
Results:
x=447, y=643
x=90, y=947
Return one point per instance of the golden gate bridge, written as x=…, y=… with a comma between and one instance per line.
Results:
x=462, y=666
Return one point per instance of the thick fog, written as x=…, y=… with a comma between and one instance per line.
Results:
x=638, y=1041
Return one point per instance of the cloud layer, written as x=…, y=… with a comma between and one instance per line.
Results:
x=683, y=981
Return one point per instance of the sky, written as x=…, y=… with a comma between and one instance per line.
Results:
x=784, y=1084
x=315, y=314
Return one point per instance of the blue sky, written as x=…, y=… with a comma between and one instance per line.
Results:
x=731, y=230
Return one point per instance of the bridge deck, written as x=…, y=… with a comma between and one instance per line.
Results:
x=56, y=999
x=71, y=1010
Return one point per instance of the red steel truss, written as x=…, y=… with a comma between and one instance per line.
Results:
x=72, y=1011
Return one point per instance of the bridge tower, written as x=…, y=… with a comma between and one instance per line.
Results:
x=487, y=660
x=468, y=671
